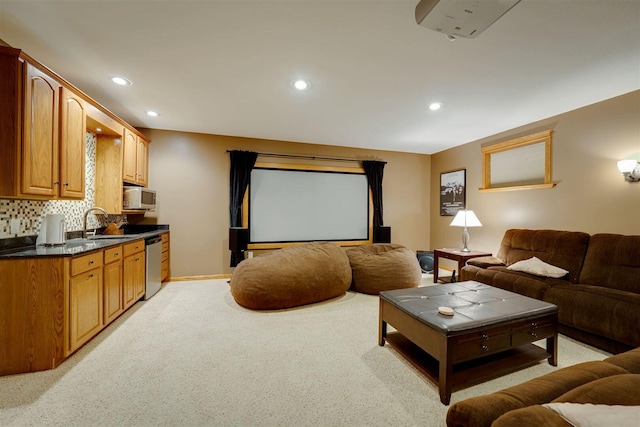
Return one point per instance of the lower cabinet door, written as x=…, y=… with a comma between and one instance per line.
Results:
x=85, y=308
x=113, y=291
x=141, y=277
x=134, y=278
x=128, y=277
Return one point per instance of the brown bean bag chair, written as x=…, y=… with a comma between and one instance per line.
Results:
x=293, y=276
x=382, y=267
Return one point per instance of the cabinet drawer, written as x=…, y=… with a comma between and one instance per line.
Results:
x=165, y=238
x=165, y=256
x=112, y=254
x=85, y=263
x=133, y=247
x=532, y=331
x=481, y=343
x=165, y=246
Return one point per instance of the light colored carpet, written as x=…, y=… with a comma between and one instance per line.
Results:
x=190, y=356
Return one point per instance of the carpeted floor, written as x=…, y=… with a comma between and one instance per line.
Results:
x=190, y=356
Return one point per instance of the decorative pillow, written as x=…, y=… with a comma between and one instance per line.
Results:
x=588, y=414
x=538, y=267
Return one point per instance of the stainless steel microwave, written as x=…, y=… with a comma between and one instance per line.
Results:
x=137, y=198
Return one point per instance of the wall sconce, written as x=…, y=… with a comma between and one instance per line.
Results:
x=465, y=218
x=630, y=169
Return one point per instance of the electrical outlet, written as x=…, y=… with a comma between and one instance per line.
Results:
x=15, y=226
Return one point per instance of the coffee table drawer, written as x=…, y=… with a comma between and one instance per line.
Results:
x=528, y=332
x=481, y=343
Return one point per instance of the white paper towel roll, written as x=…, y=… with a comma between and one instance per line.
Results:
x=55, y=229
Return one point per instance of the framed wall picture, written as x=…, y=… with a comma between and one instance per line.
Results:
x=453, y=192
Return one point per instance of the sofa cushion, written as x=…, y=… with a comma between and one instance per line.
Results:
x=293, y=276
x=538, y=267
x=486, y=261
x=382, y=267
x=514, y=281
x=483, y=410
x=629, y=360
x=536, y=415
x=614, y=390
x=613, y=261
x=602, y=311
x=564, y=249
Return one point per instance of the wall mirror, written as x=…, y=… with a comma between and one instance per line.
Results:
x=519, y=164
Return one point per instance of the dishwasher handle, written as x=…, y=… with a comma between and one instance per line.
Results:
x=152, y=240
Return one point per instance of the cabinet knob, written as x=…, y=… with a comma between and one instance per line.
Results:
x=485, y=337
x=533, y=334
x=485, y=348
x=90, y=262
x=66, y=184
x=91, y=275
x=56, y=183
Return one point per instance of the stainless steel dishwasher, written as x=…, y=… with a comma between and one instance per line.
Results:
x=153, y=247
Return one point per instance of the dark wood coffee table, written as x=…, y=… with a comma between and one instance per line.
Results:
x=490, y=334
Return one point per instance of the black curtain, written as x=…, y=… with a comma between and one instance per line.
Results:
x=242, y=163
x=374, y=170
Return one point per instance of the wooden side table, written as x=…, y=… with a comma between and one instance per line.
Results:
x=455, y=255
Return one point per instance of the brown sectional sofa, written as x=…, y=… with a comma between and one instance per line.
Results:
x=598, y=299
x=613, y=381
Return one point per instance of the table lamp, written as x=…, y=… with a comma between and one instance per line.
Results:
x=465, y=218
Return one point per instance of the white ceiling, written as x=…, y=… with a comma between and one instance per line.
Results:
x=225, y=67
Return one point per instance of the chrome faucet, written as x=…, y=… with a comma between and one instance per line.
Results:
x=84, y=220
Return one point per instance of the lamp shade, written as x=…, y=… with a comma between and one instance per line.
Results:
x=627, y=166
x=465, y=218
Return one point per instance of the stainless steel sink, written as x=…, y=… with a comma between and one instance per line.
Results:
x=75, y=245
x=77, y=242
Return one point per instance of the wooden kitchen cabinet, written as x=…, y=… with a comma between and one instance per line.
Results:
x=85, y=306
x=142, y=162
x=32, y=320
x=129, y=152
x=135, y=159
x=113, y=284
x=133, y=272
x=39, y=133
x=110, y=171
x=108, y=191
x=73, y=129
x=51, y=306
x=165, y=257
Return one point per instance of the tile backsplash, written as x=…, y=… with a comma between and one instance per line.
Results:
x=30, y=213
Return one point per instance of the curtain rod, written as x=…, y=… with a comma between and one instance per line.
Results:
x=296, y=156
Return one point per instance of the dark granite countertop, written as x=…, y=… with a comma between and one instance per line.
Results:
x=78, y=246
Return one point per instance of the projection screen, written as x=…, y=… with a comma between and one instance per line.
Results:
x=306, y=205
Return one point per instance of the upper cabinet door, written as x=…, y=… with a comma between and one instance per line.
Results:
x=135, y=159
x=73, y=124
x=142, y=162
x=129, y=162
x=40, y=130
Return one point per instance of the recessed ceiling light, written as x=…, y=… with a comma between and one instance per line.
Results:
x=435, y=106
x=121, y=81
x=152, y=114
x=301, y=84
